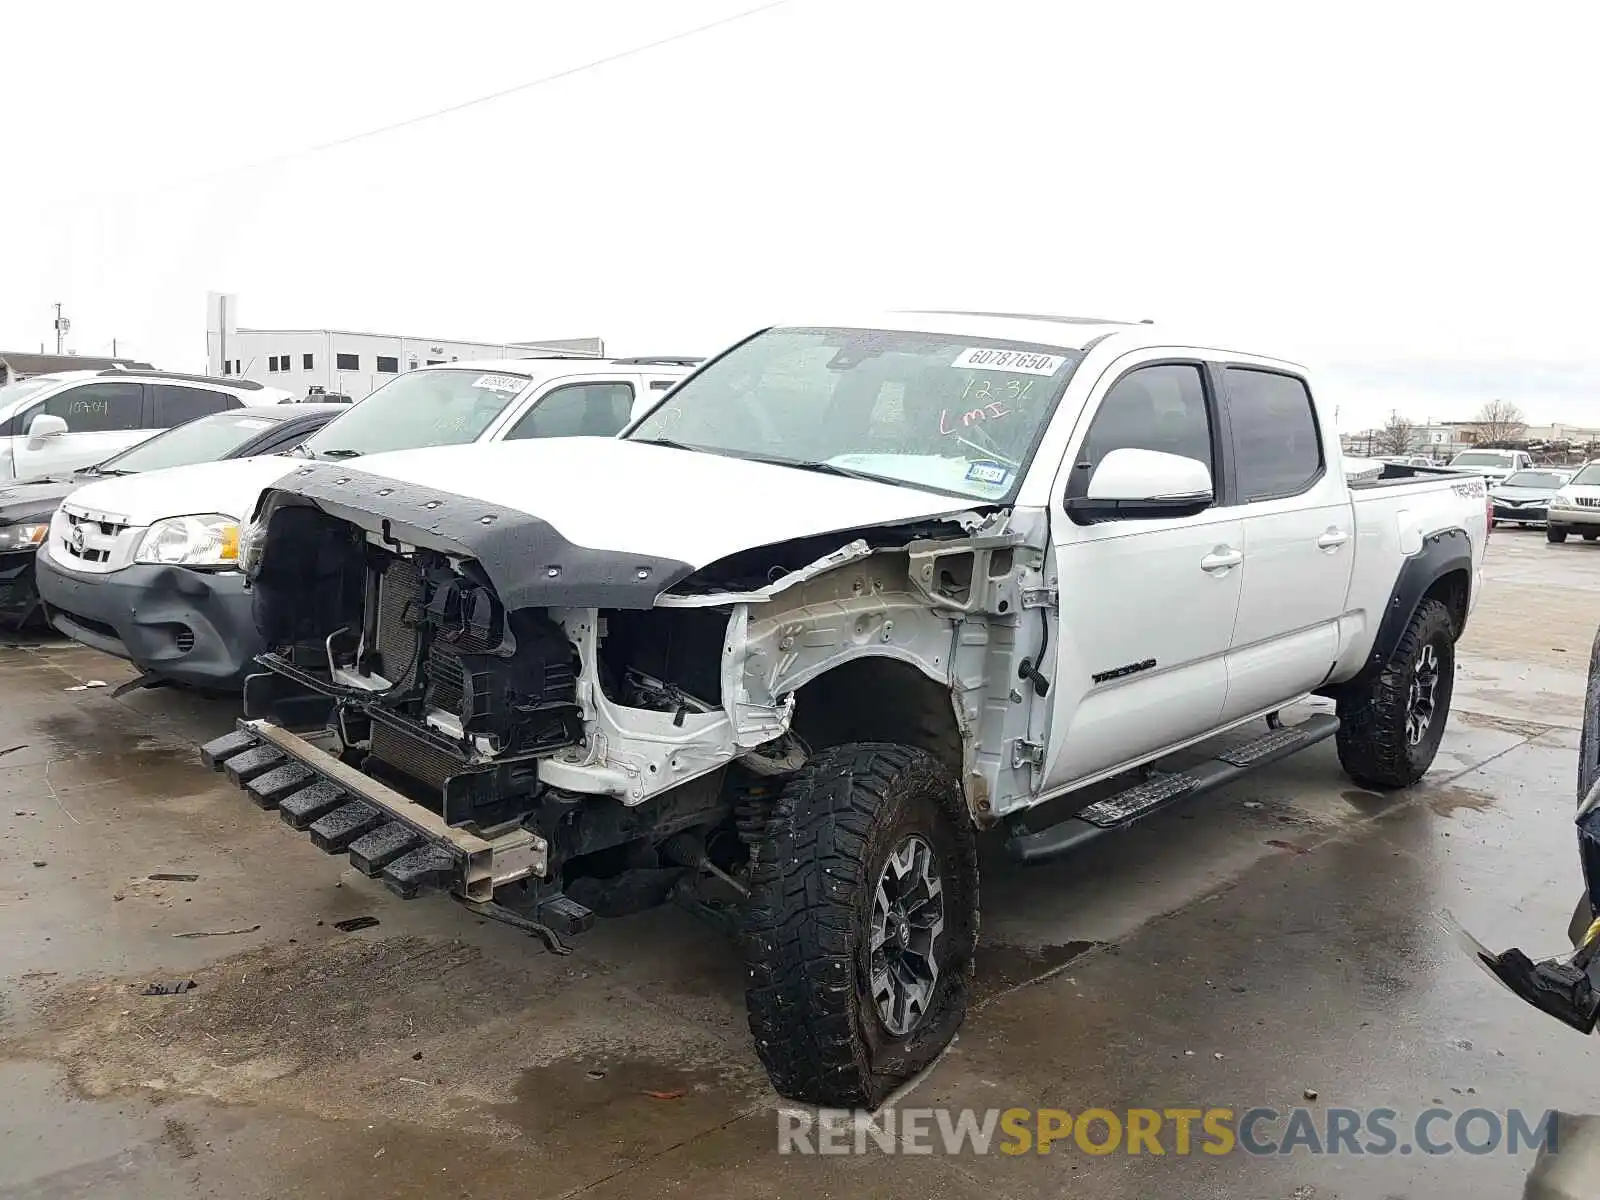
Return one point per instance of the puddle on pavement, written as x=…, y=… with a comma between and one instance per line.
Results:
x=625, y=1101
x=1447, y=801
x=1002, y=967
x=106, y=742
x=110, y=731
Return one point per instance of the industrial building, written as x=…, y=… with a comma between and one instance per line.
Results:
x=344, y=363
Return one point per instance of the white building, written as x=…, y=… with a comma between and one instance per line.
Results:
x=340, y=362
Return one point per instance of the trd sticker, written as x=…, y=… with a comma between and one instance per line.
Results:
x=983, y=358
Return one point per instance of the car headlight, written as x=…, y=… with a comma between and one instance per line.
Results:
x=22, y=537
x=252, y=541
x=1560, y=501
x=207, y=541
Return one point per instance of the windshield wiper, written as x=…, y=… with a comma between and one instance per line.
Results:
x=820, y=467
x=666, y=442
x=106, y=471
x=337, y=453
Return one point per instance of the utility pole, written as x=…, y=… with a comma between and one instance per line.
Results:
x=62, y=325
x=113, y=347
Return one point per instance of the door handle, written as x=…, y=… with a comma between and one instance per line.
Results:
x=1221, y=559
x=1333, y=539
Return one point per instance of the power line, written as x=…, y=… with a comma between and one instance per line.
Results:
x=565, y=73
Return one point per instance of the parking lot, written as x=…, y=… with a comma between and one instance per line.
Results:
x=1275, y=940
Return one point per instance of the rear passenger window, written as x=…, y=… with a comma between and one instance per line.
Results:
x=1275, y=442
x=1159, y=407
x=176, y=405
x=578, y=410
x=99, y=407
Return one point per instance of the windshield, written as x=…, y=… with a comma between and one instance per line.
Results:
x=1589, y=476
x=1535, y=479
x=420, y=408
x=950, y=413
x=15, y=394
x=1481, y=458
x=205, y=439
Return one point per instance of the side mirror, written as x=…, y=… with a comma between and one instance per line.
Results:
x=1144, y=483
x=43, y=427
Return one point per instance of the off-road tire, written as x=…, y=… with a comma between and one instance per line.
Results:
x=1555, y=535
x=815, y=865
x=1373, y=747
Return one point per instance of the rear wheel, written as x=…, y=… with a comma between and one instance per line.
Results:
x=1556, y=534
x=1589, y=537
x=1390, y=727
x=861, y=923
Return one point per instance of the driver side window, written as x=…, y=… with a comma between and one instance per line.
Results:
x=1160, y=407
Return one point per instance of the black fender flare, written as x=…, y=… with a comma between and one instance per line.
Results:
x=1442, y=553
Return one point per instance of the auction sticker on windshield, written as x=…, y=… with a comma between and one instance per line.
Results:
x=991, y=473
x=499, y=383
x=984, y=358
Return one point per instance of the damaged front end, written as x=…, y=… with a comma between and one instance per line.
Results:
x=460, y=698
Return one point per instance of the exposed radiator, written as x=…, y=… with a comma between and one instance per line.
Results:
x=399, y=607
x=413, y=757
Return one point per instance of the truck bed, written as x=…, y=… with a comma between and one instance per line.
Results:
x=1399, y=475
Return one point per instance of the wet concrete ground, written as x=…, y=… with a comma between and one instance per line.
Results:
x=1280, y=936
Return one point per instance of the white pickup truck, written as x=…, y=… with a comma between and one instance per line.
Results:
x=851, y=594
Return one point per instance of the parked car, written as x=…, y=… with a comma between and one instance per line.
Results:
x=1523, y=498
x=868, y=590
x=63, y=422
x=1407, y=460
x=1575, y=507
x=1493, y=465
x=145, y=568
x=26, y=508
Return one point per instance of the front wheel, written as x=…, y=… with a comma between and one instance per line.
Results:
x=1555, y=534
x=1589, y=537
x=1390, y=726
x=861, y=923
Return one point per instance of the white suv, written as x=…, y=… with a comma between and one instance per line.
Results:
x=51, y=424
x=1575, y=508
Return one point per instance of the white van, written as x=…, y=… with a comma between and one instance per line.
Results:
x=54, y=424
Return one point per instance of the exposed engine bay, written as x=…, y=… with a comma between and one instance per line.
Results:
x=625, y=735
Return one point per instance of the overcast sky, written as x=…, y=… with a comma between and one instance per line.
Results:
x=1404, y=194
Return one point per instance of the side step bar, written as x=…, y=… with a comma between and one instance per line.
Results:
x=1030, y=845
x=386, y=835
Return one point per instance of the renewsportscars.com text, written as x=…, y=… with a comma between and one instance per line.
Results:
x=1256, y=1131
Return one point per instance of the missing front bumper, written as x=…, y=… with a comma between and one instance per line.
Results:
x=387, y=835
